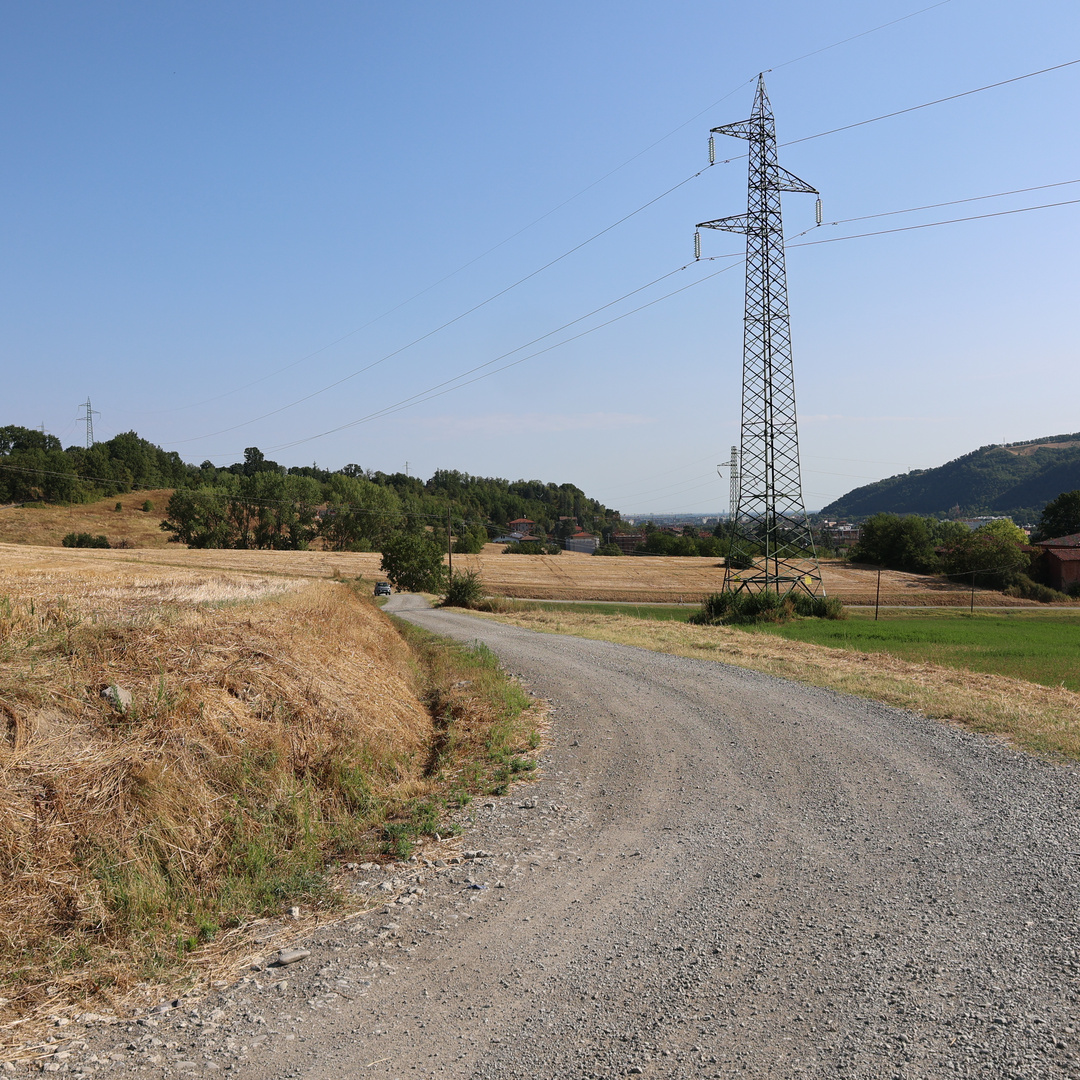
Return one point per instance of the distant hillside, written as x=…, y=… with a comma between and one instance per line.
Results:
x=1016, y=479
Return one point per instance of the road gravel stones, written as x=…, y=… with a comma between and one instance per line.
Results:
x=720, y=875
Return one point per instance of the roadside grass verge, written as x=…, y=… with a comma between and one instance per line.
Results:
x=674, y=612
x=1041, y=719
x=270, y=735
x=487, y=727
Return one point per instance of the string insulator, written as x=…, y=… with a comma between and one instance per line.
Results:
x=697, y=245
x=817, y=211
x=712, y=150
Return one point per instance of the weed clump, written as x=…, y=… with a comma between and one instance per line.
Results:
x=85, y=540
x=464, y=589
x=767, y=606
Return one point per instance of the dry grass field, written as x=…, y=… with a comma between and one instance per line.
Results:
x=47, y=525
x=278, y=722
x=567, y=576
x=268, y=717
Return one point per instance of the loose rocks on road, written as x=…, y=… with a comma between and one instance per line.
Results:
x=718, y=874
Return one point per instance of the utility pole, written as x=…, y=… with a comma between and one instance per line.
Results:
x=90, y=413
x=449, y=543
x=771, y=544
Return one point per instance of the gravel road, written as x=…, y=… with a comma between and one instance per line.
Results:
x=718, y=874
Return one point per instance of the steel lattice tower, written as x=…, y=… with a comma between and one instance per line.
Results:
x=771, y=544
x=733, y=484
x=90, y=413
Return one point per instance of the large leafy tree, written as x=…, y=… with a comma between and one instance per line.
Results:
x=359, y=514
x=1061, y=516
x=991, y=554
x=414, y=561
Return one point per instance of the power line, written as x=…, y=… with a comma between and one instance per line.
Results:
x=934, y=224
x=430, y=392
x=456, y=318
x=910, y=228
x=427, y=395
x=589, y=240
x=927, y=104
x=554, y=209
x=854, y=37
x=936, y=206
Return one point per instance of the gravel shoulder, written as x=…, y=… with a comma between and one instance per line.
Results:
x=718, y=873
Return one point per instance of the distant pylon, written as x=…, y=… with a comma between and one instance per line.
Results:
x=771, y=543
x=89, y=422
x=733, y=484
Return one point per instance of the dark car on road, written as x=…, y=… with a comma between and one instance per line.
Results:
x=382, y=588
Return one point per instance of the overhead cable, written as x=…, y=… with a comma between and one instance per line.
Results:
x=450, y=322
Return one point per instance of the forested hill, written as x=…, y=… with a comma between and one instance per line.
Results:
x=1016, y=479
x=35, y=468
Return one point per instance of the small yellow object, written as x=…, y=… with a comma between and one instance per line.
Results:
x=806, y=579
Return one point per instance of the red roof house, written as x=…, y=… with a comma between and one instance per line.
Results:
x=1063, y=561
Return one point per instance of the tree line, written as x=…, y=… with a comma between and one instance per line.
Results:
x=997, y=554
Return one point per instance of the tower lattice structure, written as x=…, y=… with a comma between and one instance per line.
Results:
x=771, y=543
x=90, y=414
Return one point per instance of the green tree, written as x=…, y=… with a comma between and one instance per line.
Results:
x=471, y=540
x=995, y=560
x=414, y=561
x=1061, y=516
x=1003, y=529
x=608, y=549
x=359, y=514
x=900, y=543
x=199, y=518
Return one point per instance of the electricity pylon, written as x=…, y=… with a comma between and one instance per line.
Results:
x=90, y=413
x=733, y=484
x=771, y=543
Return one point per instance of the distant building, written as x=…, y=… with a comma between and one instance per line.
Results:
x=521, y=526
x=627, y=543
x=582, y=541
x=979, y=522
x=840, y=535
x=1062, y=561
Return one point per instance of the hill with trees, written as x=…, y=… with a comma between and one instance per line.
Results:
x=257, y=503
x=1015, y=480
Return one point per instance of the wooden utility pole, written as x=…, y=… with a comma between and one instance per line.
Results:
x=449, y=543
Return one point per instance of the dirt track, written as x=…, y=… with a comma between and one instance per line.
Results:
x=718, y=874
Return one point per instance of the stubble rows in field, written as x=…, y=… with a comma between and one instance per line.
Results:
x=567, y=576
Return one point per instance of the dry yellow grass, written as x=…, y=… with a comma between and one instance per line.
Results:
x=1039, y=718
x=567, y=576
x=267, y=715
x=48, y=525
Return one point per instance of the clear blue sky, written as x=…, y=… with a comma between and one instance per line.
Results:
x=195, y=196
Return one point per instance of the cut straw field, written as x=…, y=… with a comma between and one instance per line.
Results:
x=276, y=724
x=569, y=575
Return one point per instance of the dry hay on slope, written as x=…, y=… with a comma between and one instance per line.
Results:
x=268, y=728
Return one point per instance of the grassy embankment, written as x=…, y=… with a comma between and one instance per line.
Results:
x=130, y=526
x=1015, y=675
x=276, y=728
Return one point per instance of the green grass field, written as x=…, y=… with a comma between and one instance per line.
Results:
x=1042, y=648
